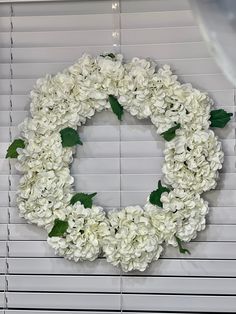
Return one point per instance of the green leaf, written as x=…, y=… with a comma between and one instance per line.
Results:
x=12, y=149
x=219, y=118
x=181, y=249
x=111, y=55
x=170, y=134
x=70, y=137
x=84, y=199
x=116, y=107
x=59, y=228
x=155, y=196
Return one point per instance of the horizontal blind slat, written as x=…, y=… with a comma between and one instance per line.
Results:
x=61, y=22
x=130, y=302
x=102, y=284
x=157, y=19
x=62, y=7
x=180, y=66
x=163, y=267
x=213, y=304
x=24, y=311
x=130, y=284
x=101, y=21
x=62, y=38
x=199, y=250
x=65, y=301
x=94, y=37
x=153, y=5
x=68, y=54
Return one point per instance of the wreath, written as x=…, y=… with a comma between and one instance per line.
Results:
x=174, y=212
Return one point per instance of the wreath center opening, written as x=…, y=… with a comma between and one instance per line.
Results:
x=121, y=161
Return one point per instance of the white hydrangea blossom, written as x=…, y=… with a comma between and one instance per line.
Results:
x=132, y=242
x=191, y=212
x=178, y=103
x=136, y=87
x=163, y=221
x=39, y=156
x=192, y=160
x=83, y=238
x=131, y=237
x=42, y=196
x=182, y=215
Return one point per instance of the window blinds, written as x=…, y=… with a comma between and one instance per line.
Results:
x=122, y=162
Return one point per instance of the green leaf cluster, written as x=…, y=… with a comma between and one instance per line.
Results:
x=83, y=198
x=219, y=118
x=116, y=106
x=170, y=133
x=110, y=55
x=181, y=249
x=12, y=149
x=59, y=228
x=70, y=137
x=155, y=196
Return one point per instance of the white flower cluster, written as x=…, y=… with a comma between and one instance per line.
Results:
x=179, y=103
x=83, y=238
x=43, y=196
x=182, y=215
x=132, y=241
x=131, y=237
x=192, y=160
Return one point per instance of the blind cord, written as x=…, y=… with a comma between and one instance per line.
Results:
x=116, y=30
x=234, y=122
x=116, y=39
x=9, y=162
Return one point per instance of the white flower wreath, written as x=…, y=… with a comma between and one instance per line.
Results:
x=133, y=236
